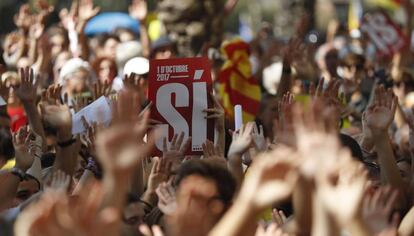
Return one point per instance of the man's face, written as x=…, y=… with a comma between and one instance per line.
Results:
x=198, y=205
x=25, y=190
x=77, y=83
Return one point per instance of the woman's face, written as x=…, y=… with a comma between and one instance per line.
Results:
x=106, y=71
x=57, y=42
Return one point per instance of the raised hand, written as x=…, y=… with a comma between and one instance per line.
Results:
x=284, y=131
x=23, y=19
x=155, y=230
x=342, y=182
x=166, y=198
x=380, y=115
x=120, y=147
x=21, y=142
x=378, y=207
x=328, y=95
x=175, y=151
x=271, y=179
x=271, y=230
x=278, y=217
x=59, y=181
x=101, y=89
x=86, y=10
x=216, y=113
x=259, y=139
x=242, y=140
x=36, y=30
x=79, y=102
x=159, y=173
x=133, y=82
x=81, y=217
x=138, y=10
x=57, y=115
x=88, y=139
x=213, y=153
x=26, y=92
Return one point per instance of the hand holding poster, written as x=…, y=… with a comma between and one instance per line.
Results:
x=384, y=33
x=179, y=89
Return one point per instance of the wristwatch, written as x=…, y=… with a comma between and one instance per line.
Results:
x=19, y=173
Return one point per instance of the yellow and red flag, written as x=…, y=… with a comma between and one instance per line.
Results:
x=388, y=4
x=237, y=86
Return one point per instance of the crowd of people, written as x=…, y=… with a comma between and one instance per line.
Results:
x=330, y=151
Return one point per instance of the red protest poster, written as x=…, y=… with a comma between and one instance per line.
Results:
x=384, y=33
x=179, y=89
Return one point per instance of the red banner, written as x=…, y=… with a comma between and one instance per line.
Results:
x=384, y=33
x=179, y=89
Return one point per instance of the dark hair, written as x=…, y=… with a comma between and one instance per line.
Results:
x=352, y=144
x=6, y=144
x=225, y=182
x=105, y=37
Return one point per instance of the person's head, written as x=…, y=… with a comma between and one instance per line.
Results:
x=6, y=146
x=404, y=165
x=26, y=189
x=125, y=34
x=353, y=65
x=209, y=187
x=134, y=211
x=59, y=40
x=163, y=48
x=108, y=44
x=60, y=60
x=332, y=61
x=125, y=52
x=10, y=79
x=76, y=76
x=105, y=69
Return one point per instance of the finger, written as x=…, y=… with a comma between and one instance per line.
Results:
x=164, y=145
x=174, y=140
x=85, y=123
x=179, y=141
x=186, y=145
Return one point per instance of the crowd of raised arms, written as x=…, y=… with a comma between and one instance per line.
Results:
x=330, y=151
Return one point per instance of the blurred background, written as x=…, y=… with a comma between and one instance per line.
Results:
x=248, y=16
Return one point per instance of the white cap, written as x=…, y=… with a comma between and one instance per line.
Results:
x=73, y=65
x=137, y=65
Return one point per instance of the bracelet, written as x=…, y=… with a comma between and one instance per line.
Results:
x=93, y=167
x=66, y=143
x=19, y=173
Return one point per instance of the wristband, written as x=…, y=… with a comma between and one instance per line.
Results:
x=19, y=173
x=94, y=168
x=66, y=143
